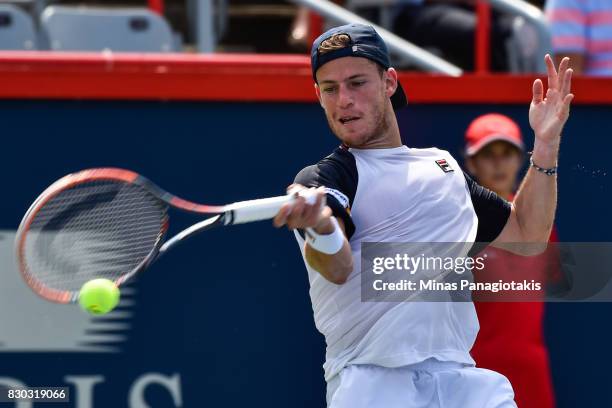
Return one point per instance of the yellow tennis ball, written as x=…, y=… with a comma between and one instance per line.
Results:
x=99, y=296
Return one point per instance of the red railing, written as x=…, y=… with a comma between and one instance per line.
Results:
x=233, y=77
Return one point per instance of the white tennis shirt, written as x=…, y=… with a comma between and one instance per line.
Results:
x=397, y=195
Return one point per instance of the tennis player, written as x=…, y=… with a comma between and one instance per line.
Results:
x=373, y=188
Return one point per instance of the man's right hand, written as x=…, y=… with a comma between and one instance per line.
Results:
x=308, y=210
x=312, y=212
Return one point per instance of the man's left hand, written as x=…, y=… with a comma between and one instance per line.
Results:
x=548, y=114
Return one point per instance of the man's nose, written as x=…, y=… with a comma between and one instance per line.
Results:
x=345, y=97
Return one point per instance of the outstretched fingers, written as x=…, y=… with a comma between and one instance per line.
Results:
x=562, y=74
x=553, y=78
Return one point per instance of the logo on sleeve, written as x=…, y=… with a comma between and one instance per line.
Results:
x=341, y=197
x=443, y=164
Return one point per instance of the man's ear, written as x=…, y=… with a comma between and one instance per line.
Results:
x=390, y=82
x=318, y=92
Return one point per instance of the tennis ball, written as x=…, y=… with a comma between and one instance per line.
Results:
x=99, y=296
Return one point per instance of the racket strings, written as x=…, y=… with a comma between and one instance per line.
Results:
x=98, y=229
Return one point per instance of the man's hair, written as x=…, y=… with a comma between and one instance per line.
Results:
x=333, y=43
x=339, y=41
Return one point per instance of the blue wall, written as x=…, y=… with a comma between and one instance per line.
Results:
x=230, y=312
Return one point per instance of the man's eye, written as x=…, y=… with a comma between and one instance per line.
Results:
x=358, y=83
x=329, y=90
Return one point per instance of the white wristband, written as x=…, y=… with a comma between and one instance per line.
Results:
x=328, y=244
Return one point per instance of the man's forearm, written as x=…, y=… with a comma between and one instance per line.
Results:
x=333, y=267
x=536, y=200
x=534, y=206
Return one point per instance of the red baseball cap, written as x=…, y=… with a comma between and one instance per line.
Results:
x=490, y=128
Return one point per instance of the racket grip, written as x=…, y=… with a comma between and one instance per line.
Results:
x=258, y=210
x=265, y=208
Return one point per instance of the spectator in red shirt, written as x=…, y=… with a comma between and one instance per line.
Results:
x=511, y=339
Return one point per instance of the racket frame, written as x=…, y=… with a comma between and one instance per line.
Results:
x=236, y=213
x=92, y=175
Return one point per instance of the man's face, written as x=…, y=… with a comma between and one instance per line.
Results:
x=355, y=98
x=496, y=166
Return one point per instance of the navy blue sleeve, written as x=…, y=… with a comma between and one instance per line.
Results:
x=492, y=211
x=338, y=174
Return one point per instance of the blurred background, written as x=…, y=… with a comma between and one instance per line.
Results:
x=214, y=101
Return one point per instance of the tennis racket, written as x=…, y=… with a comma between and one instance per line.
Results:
x=110, y=223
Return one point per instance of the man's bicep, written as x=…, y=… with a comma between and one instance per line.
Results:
x=342, y=213
x=511, y=238
x=511, y=232
x=498, y=224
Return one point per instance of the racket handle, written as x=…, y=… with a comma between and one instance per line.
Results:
x=257, y=210
x=264, y=208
